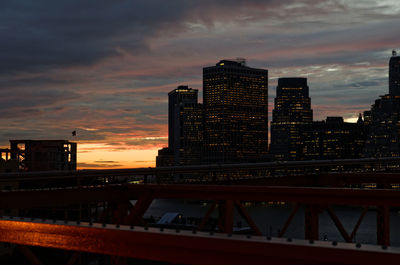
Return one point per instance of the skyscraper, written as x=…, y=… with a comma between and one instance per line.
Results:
x=235, y=102
x=394, y=74
x=185, y=126
x=383, y=139
x=292, y=110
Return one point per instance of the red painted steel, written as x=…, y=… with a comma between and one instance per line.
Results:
x=311, y=222
x=289, y=220
x=383, y=225
x=360, y=219
x=187, y=248
x=316, y=200
x=247, y=217
x=339, y=225
x=122, y=193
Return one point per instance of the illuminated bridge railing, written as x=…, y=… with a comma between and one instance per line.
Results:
x=184, y=247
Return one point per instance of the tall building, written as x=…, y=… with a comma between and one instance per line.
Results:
x=394, y=74
x=383, y=139
x=292, y=111
x=235, y=101
x=185, y=126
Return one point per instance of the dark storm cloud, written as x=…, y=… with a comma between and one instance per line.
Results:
x=38, y=35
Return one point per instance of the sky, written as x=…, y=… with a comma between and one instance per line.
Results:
x=104, y=68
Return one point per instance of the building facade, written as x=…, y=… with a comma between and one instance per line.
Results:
x=292, y=110
x=394, y=74
x=43, y=155
x=333, y=139
x=384, y=130
x=235, y=99
x=185, y=127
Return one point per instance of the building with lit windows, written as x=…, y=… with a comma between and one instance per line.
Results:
x=185, y=128
x=235, y=102
x=333, y=139
x=292, y=110
x=383, y=138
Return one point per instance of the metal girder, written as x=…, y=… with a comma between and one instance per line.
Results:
x=340, y=179
x=383, y=225
x=121, y=193
x=311, y=222
x=289, y=220
x=247, y=217
x=184, y=247
x=89, y=173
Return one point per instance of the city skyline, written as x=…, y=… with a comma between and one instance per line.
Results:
x=108, y=81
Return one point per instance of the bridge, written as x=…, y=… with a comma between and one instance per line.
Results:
x=104, y=214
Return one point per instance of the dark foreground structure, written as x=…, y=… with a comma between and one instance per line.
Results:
x=116, y=225
x=39, y=155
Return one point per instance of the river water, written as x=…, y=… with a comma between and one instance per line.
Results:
x=271, y=218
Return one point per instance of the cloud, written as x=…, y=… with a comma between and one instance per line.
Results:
x=98, y=164
x=104, y=68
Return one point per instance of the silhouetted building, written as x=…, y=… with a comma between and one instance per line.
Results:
x=394, y=74
x=367, y=118
x=383, y=138
x=43, y=155
x=235, y=101
x=333, y=139
x=292, y=111
x=185, y=126
x=6, y=163
x=165, y=158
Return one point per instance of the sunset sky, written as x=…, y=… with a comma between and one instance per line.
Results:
x=104, y=68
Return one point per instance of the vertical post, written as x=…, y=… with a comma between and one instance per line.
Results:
x=311, y=222
x=229, y=216
x=145, y=179
x=383, y=225
x=225, y=218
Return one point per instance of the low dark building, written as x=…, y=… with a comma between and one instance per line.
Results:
x=333, y=139
x=384, y=130
x=165, y=158
x=43, y=155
